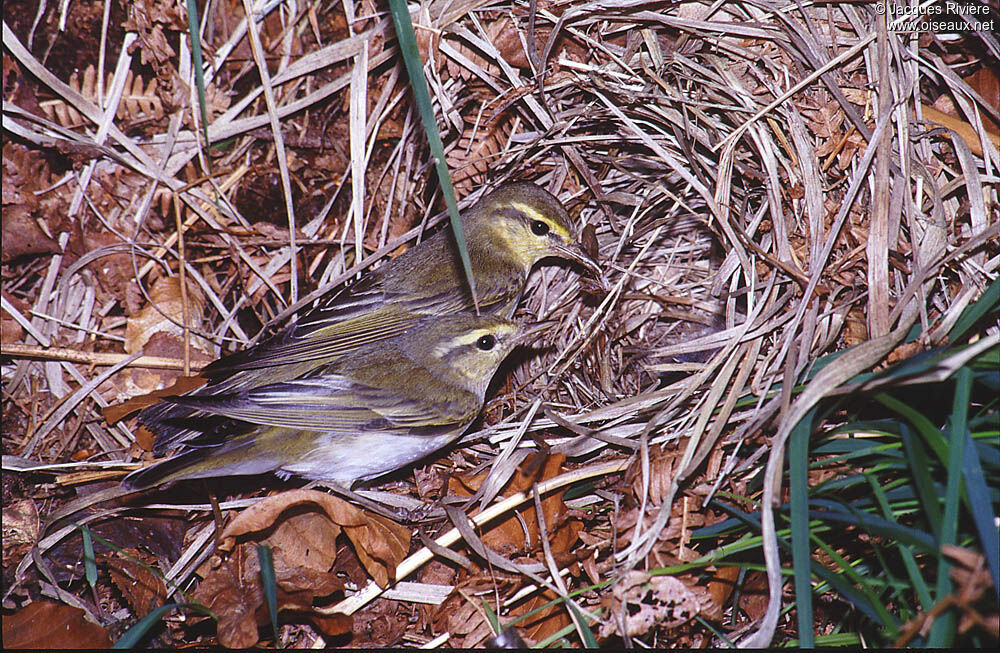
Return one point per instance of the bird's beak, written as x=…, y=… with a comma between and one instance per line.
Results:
x=574, y=252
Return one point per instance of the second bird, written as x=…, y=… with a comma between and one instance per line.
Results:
x=507, y=233
x=388, y=404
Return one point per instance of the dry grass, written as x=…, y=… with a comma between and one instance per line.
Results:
x=767, y=182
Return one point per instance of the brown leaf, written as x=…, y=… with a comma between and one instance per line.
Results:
x=545, y=622
x=10, y=329
x=20, y=529
x=143, y=589
x=379, y=543
x=165, y=314
x=47, y=625
x=644, y=602
x=722, y=585
x=509, y=536
x=264, y=513
x=233, y=591
x=118, y=412
x=234, y=595
x=308, y=540
x=753, y=595
x=21, y=234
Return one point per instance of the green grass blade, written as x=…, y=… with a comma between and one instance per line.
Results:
x=838, y=512
x=920, y=468
x=943, y=631
x=133, y=636
x=492, y=617
x=194, y=32
x=982, y=510
x=909, y=560
x=988, y=301
x=414, y=67
x=589, y=641
x=931, y=434
x=866, y=599
x=269, y=584
x=798, y=470
x=89, y=560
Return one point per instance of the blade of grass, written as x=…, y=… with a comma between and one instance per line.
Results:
x=89, y=561
x=943, y=631
x=988, y=301
x=982, y=512
x=194, y=33
x=269, y=584
x=917, y=581
x=492, y=617
x=931, y=434
x=414, y=67
x=866, y=599
x=132, y=636
x=920, y=468
x=798, y=471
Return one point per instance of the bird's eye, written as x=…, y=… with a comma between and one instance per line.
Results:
x=486, y=343
x=539, y=228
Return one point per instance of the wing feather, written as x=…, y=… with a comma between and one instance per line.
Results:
x=335, y=403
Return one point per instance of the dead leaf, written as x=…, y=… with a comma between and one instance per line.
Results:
x=20, y=530
x=47, y=625
x=509, y=536
x=232, y=590
x=118, y=412
x=753, y=595
x=10, y=329
x=234, y=601
x=165, y=314
x=545, y=622
x=380, y=543
x=643, y=602
x=143, y=589
x=21, y=234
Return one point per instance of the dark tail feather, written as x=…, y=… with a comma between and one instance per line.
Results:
x=176, y=424
x=148, y=477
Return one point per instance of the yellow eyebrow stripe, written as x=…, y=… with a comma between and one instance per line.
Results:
x=530, y=211
x=535, y=214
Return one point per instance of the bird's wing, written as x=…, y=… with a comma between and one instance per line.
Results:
x=336, y=403
x=328, y=334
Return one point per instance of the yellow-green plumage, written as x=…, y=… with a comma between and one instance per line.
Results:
x=386, y=405
x=507, y=232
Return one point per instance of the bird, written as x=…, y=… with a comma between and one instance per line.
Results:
x=390, y=403
x=507, y=232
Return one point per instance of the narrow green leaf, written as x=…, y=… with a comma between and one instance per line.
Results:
x=269, y=584
x=132, y=636
x=589, y=641
x=920, y=468
x=89, y=560
x=798, y=471
x=909, y=560
x=931, y=434
x=864, y=599
x=846, y=514
x=982, y=509
x=988, y=301
x=194, y=32
x=414, y=67
x=492, y=617
x=943, y=631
